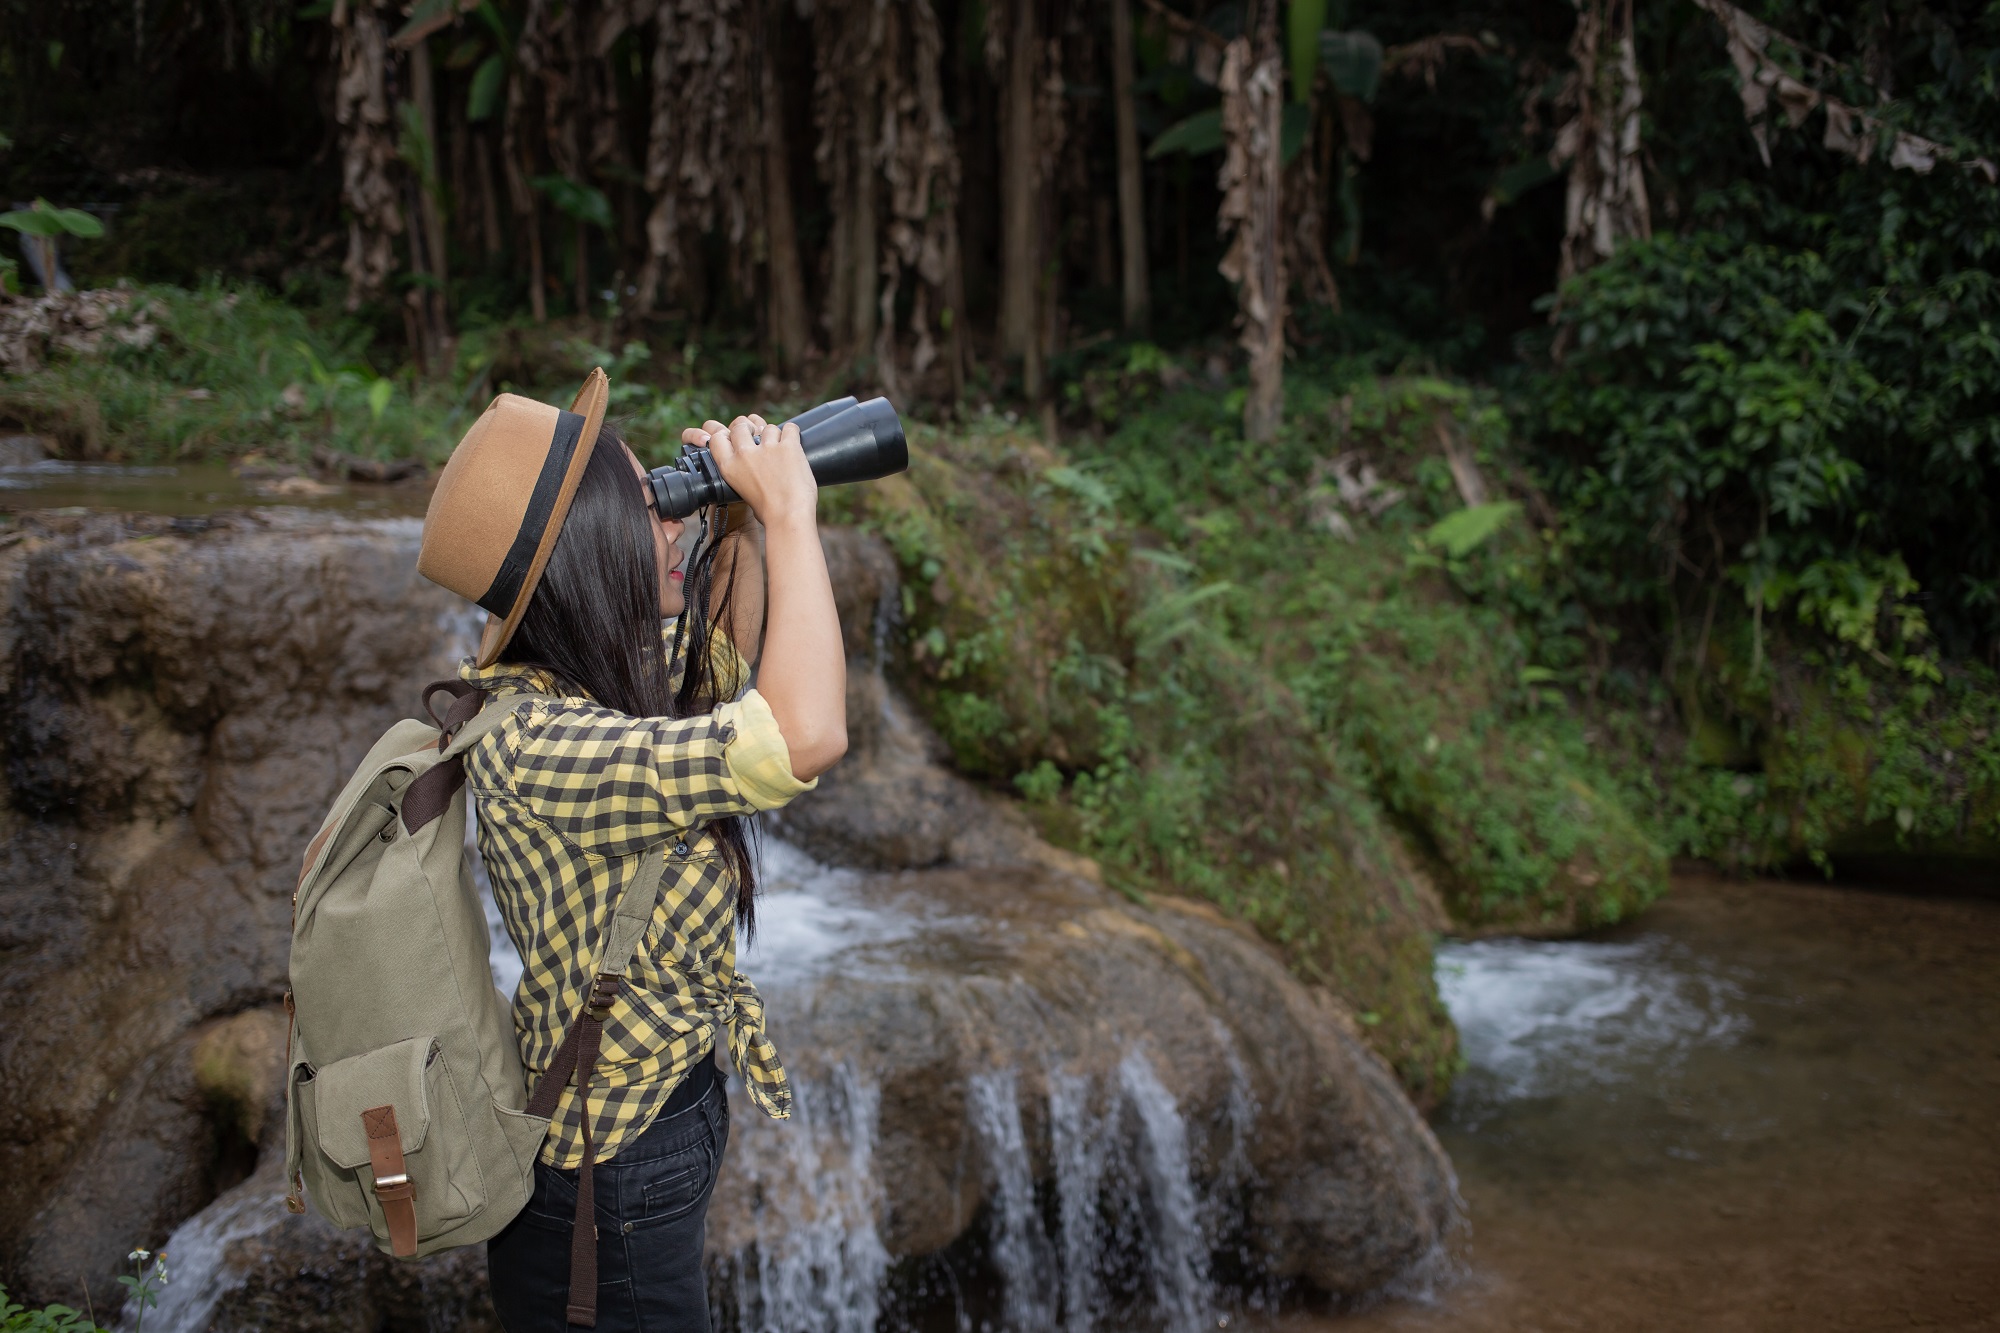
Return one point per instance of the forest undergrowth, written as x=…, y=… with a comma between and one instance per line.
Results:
x=1349, y=684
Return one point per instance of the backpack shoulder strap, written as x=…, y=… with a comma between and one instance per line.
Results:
x=577, y=1056
x=472, y=715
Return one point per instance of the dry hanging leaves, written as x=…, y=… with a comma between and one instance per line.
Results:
x=1599, y=142
x=703, y=142
x=362, y=109
x=1850, y=131
x=1250, y=181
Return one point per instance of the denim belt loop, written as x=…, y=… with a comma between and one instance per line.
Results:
x=715, y=1106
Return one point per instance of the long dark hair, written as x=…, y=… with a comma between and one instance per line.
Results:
x=594, y=624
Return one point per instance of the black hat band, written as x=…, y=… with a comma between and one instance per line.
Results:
x=499, y=598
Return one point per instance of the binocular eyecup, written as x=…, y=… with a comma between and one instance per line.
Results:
x=844, y=441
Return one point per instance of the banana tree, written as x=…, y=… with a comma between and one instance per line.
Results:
x=42, y=225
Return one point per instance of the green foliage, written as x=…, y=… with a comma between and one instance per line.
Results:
x=236, y=370
x=1066, y=653
x=230, y=371
x=1353, y=63
x=1461, y=533
x=45, y=221
x=15, y=1318
x=584, y=203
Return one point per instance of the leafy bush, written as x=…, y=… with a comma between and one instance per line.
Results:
x=15, y=1318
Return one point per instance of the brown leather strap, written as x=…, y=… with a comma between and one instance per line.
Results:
x=578, y=1055
x=583, y=1232
x=294, y=1183
x=430, y=795
x=393, y=1189
x=459, y=691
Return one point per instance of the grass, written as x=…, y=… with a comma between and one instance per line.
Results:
x=1305, y=679
x=235, y=370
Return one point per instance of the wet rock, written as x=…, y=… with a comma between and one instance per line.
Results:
x=1138, y=1060
x=177, y=709
x=980, y=1032
x=22, y=450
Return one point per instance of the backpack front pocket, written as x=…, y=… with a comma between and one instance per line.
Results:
x=437, y=1152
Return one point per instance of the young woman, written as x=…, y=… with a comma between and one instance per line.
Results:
x=650, y=745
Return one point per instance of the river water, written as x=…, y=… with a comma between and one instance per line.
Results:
x=1760, y=1106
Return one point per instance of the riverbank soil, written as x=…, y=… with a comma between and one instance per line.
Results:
x=1818, y=1151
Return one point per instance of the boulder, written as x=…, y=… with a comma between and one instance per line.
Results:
x=1005, y=1070
x=179, y=700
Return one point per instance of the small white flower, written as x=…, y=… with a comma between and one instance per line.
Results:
x=139, y=1256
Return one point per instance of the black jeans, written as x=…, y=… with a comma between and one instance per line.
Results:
x=652, y=1213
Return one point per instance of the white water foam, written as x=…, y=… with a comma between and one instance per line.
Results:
x=1021, y=1250
x=1177, y=1252
x=1535, y=1017
x=1081, y=1142
x=197, y=1277
x=818, y=1262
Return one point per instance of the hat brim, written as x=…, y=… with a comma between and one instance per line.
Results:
x=590, y=403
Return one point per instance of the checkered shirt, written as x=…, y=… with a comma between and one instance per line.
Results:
x=571, y=795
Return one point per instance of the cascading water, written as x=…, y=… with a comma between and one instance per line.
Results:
x=1021, y=1250
x=1079, y=1144
x=197, y=1277
x=817, y=1262
x=1177, y=1256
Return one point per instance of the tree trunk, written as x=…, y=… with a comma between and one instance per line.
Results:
x=1252, y=206
x=367, y=150
x=1020, y=194
x=1606, y=201
x=1131, y=195
x=428, y=297
x=787, y=291
x=489, y=198
x=864, y=252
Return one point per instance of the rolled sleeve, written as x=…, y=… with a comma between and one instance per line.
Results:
x=757, y=756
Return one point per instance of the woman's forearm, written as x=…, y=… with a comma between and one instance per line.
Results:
x=803, y=675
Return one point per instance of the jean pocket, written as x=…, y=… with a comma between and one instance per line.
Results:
x=675, y=1184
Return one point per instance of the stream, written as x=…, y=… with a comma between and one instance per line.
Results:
x=1759, y=1106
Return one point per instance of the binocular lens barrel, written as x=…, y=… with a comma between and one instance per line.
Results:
x=844, y=441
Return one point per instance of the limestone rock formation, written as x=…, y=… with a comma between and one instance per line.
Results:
x=981, y=1033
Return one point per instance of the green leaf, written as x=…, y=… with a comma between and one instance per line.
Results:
x=1198, y=134
x=45, y=219
x=582, y=202
x=379, y=394
x=1462, y=533
x=1353, y=62
x=1302, y=27
x=484, y=98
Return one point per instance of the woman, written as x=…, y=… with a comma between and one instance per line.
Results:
x=543, y=518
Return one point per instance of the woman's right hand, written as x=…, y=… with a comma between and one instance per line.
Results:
x=773, y=476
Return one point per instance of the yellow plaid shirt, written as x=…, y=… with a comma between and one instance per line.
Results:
x=571, y=796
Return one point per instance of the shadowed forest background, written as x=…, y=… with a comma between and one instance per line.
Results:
x=1499, y=447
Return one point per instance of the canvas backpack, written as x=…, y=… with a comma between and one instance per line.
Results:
x=407, y=1106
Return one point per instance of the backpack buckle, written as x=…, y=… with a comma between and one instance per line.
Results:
x=603, y=992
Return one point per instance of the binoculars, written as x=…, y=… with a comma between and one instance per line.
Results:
x=844, y=441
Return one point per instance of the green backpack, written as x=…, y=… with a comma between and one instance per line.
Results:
x=407, y=1106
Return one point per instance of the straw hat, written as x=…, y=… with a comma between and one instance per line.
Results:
x=501, y=500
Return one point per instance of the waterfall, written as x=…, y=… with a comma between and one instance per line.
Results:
x=817, y=1263
x=197, y=1276
x=1177, y=1256
x=1021, y=1250
x=1080, y=1144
